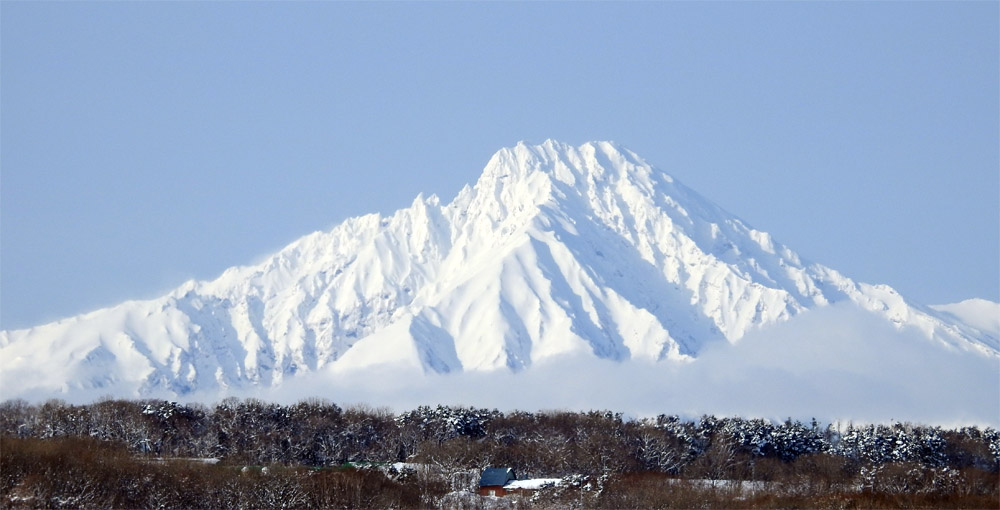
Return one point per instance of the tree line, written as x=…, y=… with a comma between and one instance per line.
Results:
x=316, y=440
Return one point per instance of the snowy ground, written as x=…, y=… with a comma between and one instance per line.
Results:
x=533, y=483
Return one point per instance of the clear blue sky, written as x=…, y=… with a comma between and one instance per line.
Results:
x=144, y=144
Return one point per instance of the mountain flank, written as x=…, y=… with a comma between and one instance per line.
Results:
x=555, y=251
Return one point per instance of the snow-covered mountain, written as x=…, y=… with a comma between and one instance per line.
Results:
x=556, y=251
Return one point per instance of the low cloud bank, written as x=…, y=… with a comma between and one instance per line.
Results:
x=835, y=363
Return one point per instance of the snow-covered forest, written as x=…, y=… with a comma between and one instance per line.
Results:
x=250, y=453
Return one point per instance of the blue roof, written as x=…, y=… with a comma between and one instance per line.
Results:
x=496, y=476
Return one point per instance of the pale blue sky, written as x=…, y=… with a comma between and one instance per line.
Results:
x=144, y=144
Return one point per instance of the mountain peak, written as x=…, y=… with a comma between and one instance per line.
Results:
x=557, y=251
x=590, y=170
x=596, y=155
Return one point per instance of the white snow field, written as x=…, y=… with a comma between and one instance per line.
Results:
x=978, y=313
x=558, y=256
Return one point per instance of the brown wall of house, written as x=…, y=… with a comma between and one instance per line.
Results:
x=498, y=490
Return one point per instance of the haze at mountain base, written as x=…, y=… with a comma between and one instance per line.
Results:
x=833, y=363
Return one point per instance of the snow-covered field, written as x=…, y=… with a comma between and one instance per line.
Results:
x=533, y=483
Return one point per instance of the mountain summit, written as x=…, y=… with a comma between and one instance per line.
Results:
x=557, y=250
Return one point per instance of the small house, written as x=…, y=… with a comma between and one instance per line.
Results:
x=492, y=482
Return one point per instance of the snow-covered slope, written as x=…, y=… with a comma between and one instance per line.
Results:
x=556, y=250
x=978, y=313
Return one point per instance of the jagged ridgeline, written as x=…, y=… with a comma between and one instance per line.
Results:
x=555, y=251
x=247, y=453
